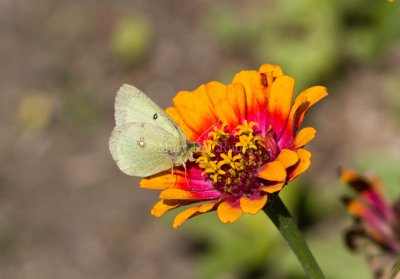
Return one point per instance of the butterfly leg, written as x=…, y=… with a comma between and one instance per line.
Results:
x=184, y=166
x=191, y=158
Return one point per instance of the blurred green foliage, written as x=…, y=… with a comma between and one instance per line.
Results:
x=392, y=96
x=131, y=39
x=335, y=259
x=80, y=112
x=310, y=39
x=7, y=243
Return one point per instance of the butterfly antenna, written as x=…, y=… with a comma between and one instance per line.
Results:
x=212, y=126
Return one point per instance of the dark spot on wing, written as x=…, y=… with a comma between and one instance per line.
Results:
x=155, y=116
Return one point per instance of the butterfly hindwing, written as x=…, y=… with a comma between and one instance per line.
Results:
x=142, y=149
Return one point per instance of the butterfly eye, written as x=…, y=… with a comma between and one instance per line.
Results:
x=155, y=116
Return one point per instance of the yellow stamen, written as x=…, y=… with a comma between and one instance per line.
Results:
x=212, y=167
x=246, y=128
x=247, y=142
x=232, y=161
x=218, y=133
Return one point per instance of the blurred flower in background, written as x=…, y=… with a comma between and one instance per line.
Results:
x=254, y=150
x=377, y=222
x=34, y=112
x=131, y=39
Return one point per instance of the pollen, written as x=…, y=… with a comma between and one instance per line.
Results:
x=231, y=159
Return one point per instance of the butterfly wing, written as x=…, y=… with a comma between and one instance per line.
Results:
x=143, y=149
x=132, y=105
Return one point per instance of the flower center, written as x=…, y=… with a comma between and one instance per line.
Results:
x=231, y=160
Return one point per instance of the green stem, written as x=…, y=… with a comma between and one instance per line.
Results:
x=396, y=269
x=284, y=222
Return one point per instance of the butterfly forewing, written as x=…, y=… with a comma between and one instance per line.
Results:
x=143, y=149
x=132, y=105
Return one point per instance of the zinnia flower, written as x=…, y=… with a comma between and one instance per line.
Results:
x=251, y=145
x=376, y=222
x=375, y=218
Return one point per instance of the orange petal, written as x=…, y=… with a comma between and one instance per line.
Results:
x=361, y=183
x=245, y=78
x=162, y=207
x=226, y=113
x=279, y=103
x=273, y=188
x=356, y=208
x=287, y=157
x=179, y=194
x=181, y=123
x=228, y=213
x=349, y=176
x=258, y=90
x=301, y=105
x=216, y=92
x=255, y=97
x=304, y=136
x=184, y=215
x=303, y=165
x=207, y=207
x=253, y=205
x=203, y=92
x=158, y=182
x=237, y=98
x=196, y=113
x=176, y=194
x=275, y=70
x=273, y=171
x=311, y=95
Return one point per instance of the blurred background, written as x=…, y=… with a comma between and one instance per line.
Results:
x=66, y=211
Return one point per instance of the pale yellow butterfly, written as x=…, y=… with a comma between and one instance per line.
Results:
x=145, y=140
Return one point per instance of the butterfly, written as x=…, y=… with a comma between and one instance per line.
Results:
x=145, y=140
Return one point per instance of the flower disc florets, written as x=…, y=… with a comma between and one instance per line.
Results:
x=231, y=161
